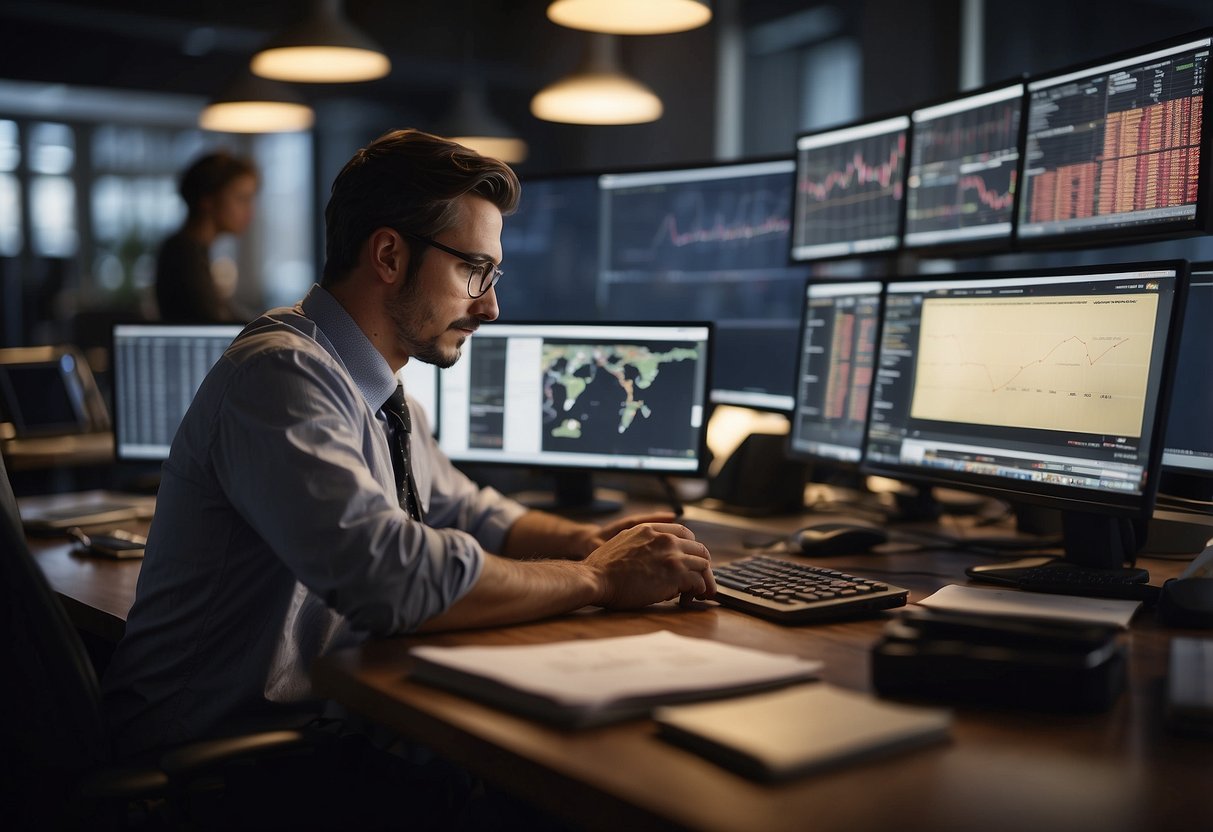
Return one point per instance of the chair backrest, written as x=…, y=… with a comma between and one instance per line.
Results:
x=51, y=718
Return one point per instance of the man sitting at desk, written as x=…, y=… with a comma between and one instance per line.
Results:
x=300, y=511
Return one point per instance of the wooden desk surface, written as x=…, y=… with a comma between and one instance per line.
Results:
x=1007, y=770
x=96, y=592
x=1003, y=770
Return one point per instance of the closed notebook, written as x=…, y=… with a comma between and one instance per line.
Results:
x=774, y=736
x=594, y=681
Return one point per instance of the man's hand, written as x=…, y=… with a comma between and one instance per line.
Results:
x=591, y=537
x=643, y=564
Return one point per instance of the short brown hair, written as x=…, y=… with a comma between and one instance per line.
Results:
x=210, y=174
x=407, y=180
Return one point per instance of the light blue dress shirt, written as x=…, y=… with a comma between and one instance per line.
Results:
x=278, y=536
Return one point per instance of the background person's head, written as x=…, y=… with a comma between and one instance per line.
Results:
x=409, y=181
x=218, y=190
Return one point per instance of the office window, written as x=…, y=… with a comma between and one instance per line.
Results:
x=52, y=156
x=283, y=224
x=10, y=190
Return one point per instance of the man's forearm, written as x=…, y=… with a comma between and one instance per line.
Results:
x=538, y=534
x=510, y=593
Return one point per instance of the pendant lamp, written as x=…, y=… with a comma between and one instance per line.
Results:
x=598, y=92
x=249, y=104
x=631, y=17
x=473, y=125
x=325, y=48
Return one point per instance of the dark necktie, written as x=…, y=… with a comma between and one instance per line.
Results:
x=401, y=424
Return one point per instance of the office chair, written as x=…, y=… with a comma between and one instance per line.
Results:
x=55, y=764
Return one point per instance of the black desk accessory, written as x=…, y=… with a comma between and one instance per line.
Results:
x=1187, y=602
x=999, y=661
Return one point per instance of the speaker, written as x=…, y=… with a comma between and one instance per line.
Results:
x=759, y=479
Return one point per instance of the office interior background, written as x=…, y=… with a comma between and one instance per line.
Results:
x=99, y=106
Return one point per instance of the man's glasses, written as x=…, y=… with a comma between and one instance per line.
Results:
x=483, y=275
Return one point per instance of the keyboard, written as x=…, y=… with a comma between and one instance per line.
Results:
x=796, y=593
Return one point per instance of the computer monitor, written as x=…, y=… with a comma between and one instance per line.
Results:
x=157, y=369
x=1043, y=386
x=550, y=251
x=1118, y=149
x=834, y=377
x=625, y=397
x=964, y=158
x=1187, y=457
x=849, y=188
x=49, y=391
x=709, y=243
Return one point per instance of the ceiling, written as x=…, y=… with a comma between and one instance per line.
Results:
x=191, y=47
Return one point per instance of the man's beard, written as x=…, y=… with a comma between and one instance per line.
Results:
x=411, y=315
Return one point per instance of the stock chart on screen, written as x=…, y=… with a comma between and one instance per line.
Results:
x=709, y=243
x=963, y=164
x=849, y=188
x=1116, y=147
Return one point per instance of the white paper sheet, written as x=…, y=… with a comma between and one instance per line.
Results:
x=1017, y=603
x=595, y=672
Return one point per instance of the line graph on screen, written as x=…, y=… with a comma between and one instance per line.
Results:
x=1072, y=364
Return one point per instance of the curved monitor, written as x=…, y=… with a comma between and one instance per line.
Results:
x=964, y=160
x=834, y=378
x=849, y=187
x=597, y=396
x=1118, y=148
x=1042, y=386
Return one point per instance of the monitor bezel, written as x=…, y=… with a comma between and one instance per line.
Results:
x=702, y=458
x=1201, y=220
x=966, y=247
x=799, y=454
x=899, y=235
x=1073, y=499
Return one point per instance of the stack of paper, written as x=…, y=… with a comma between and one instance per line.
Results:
x=593, y=681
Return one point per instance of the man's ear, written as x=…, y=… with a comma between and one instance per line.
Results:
x=389, y=255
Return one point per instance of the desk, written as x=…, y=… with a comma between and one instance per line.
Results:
x=1002, y=771
x=96, y=592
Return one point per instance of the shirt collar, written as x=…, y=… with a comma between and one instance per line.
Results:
x=366, y=366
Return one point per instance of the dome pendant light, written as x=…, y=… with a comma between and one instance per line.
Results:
x=324, y=49
x=473, y=125
x=631, y=17
x=598, y=92
x=249, y=104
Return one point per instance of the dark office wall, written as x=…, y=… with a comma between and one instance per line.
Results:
x=1036, y=36
x=911, y=53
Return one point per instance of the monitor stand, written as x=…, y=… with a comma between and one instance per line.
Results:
x=1097, y=546
x=573, y=494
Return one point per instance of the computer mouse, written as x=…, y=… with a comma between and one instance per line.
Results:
x=825, y=539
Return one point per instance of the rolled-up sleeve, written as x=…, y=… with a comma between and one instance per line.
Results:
x=290, y=444
x=452, y=499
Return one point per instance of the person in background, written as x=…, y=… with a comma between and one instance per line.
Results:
x=218, y=190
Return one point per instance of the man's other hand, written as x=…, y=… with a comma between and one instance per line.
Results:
x=642, y=564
